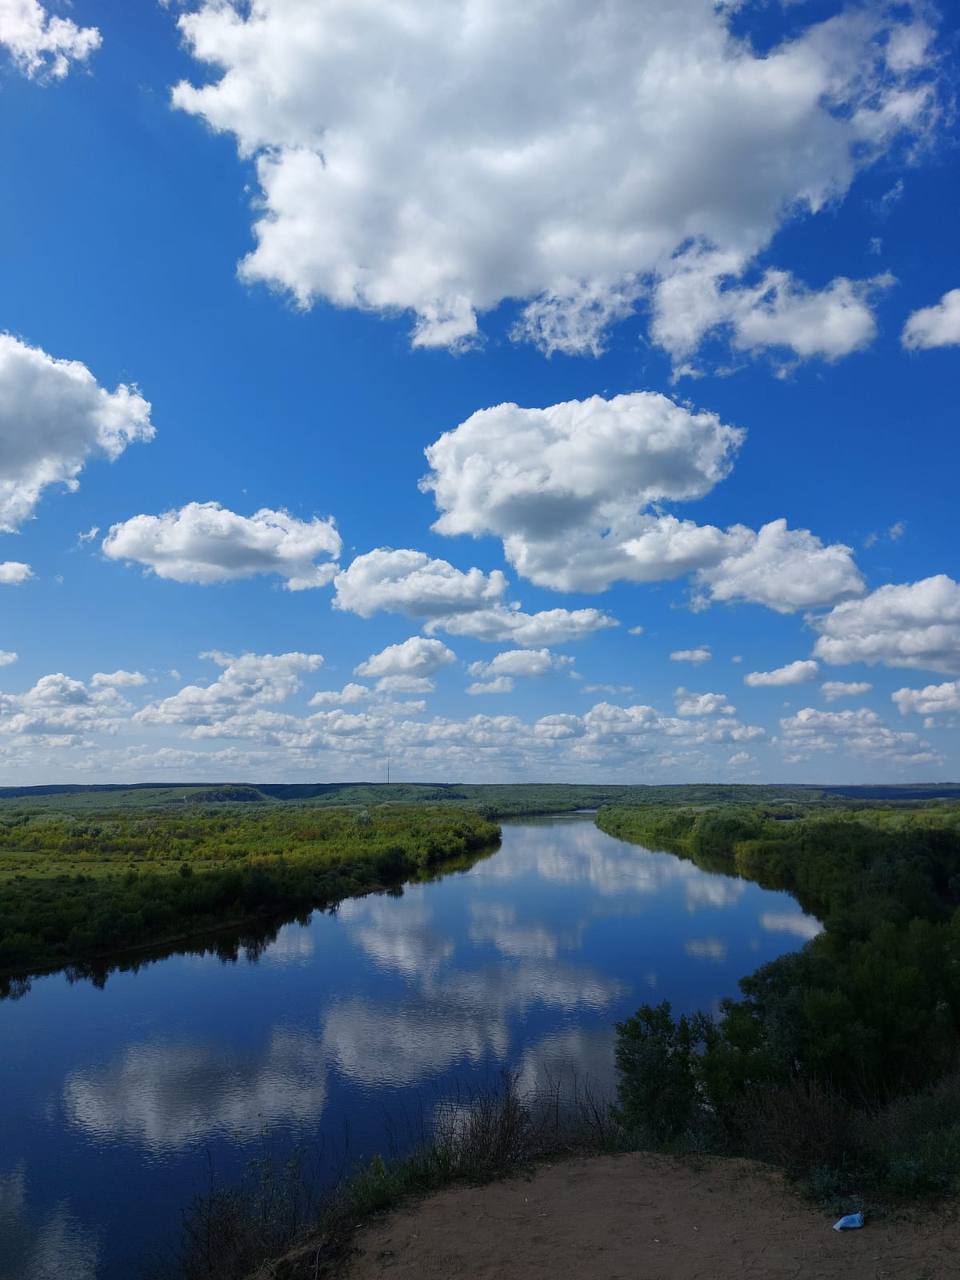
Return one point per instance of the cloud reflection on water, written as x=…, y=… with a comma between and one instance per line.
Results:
x=169, y=1096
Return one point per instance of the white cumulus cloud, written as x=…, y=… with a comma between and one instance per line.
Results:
x=934, y=699
x=696, y=656
x=53, y=417
x=250, y=680
x=862, y=732
x=913, y=624
x=783, y=569
x=41, y=43
x=410, y=582
x=521, y=662
x=415, y=660
x=393, y=143
x=691, y=302
x=793, y=673
x=702, y=704
x=936, y=326
x=118, y=679
x=7, y=657
x=203, y=542
x=574, y=493
x=549, y=626
x=832, y=690
x=563, y=487
x=14, y=572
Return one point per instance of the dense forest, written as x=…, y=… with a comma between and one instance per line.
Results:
x=78, y=885
x=842, y=1056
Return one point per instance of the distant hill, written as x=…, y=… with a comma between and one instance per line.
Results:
x=500, y=799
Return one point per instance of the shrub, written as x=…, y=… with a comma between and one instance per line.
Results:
x=657, y=1066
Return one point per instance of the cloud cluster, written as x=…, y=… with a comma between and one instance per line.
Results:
x=793, y=673
x=393, y=144
x=53, y=417
x=248, y=680
x=42, y=44
x=701, y=704
x=203, y=542
x=573, y=491
x=691, y=302
x=497, y=675
x=862, y=733
x=60, y=708
x=914, y=624
x=936, y=326
x=407, y=667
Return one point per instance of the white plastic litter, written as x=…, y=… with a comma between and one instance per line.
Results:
x=849, y=1222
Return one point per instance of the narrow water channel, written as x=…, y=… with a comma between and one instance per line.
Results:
x=117, y=1100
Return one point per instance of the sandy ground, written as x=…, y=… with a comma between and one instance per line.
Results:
x=643, y=1217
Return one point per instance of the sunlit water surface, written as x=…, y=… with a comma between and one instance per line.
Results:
x=116, y=1101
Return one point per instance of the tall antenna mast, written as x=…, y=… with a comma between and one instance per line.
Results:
x=388, y=771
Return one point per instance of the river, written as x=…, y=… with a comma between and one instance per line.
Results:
x=118, y=1100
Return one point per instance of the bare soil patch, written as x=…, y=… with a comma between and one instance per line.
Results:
x=647, y=1217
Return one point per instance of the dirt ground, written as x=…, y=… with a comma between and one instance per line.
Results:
x=643, y=1217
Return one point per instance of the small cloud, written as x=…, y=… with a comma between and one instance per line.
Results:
x=897, y=530
x=502, y=684
x=89, y=536
x=14, y=572
x=635, y=631
x=696, y=656
x=7, y=657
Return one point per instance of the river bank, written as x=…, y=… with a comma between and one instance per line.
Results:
x=642, y=1215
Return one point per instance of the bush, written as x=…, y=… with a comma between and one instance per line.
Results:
x=657, y=1065
x=913, y=1144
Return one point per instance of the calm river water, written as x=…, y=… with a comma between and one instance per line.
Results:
x=116, y=1100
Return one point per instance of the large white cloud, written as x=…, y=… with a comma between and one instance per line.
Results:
x=798, y=672
x=41, y=43
x=439, y=156
x=936, y=326
x=53, y=417
x=203, y=542
x=563, y=487
x=914, y=624
x=410, y=582
x=14, y=572
x=569, y=490
x=783, y=569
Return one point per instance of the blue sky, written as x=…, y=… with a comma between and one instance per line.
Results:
x=703, y=258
